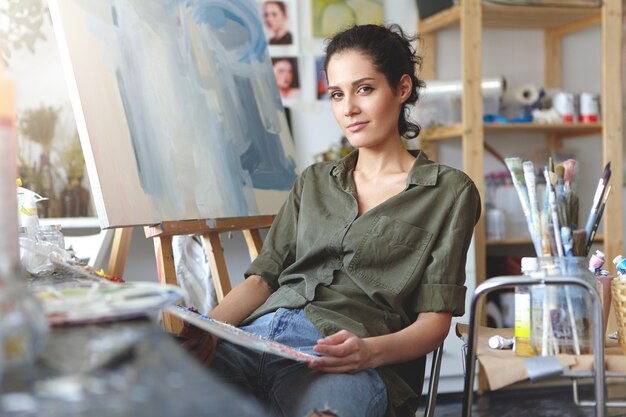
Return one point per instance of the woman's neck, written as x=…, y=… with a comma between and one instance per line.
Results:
x=391, y=159
x=280, y=33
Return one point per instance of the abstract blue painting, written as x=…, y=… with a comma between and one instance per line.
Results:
x=177, y=108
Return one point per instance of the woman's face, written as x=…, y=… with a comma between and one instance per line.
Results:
x=283, y=72
x=275, y=19
x=364, y=105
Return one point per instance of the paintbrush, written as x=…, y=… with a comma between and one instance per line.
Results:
x=531, y=185
x=550, y=182
x=517, y=175
x=570, y=198
x=597, y=219
x=597, y=201
x=580, y=242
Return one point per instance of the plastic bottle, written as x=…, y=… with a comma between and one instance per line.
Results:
x=620, y=264
x=27, y=209
x=523, y=343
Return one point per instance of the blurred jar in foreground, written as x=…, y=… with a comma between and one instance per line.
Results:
x=561, y=315
x=23, y=328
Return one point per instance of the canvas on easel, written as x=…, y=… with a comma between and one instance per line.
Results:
x=179, y=118
x=177, y=109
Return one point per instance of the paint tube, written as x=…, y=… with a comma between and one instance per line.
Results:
x=596, y=261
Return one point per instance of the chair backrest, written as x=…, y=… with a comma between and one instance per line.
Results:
x=433, y=383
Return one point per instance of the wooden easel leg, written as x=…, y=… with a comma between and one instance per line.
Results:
x=166, y=272
x=217, y=263
x=254, y=242
x=119, y=251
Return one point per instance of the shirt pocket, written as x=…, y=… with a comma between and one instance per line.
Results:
x=389, y=253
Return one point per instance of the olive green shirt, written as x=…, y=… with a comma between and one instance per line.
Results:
x=371, y=274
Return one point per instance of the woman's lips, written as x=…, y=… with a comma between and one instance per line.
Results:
x=356, y=126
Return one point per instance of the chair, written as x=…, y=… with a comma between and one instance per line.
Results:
x=433, y=383
x=510, y=282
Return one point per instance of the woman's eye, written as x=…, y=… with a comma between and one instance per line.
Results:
x=364, y=89
x=335, y=95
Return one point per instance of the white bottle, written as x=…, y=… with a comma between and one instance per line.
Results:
x=523, y=343
x=27, y=208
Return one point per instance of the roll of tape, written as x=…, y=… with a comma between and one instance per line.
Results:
x=526, y=94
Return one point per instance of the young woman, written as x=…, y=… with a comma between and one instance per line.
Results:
x=365, y=262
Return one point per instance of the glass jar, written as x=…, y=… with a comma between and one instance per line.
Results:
x=23, y=328
x=51, y=234
x=561, y=315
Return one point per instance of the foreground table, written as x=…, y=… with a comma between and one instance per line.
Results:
x=122, y=368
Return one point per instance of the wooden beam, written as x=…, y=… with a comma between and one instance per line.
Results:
x=217, y=264
x=198, y=227
x=612, y=134
x=254, y=242
x=428, y=52
x=119, y=251
x=553, y=59
x=166, y=273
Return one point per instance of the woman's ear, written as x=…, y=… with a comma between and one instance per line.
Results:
x=405, y=87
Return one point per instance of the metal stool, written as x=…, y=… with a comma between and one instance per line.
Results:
x=510, y=282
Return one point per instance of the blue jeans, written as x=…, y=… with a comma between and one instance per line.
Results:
x=290, y=388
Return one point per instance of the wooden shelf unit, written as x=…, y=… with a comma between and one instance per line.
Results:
x=471, y=16
x=564, y=130
x=517, y=17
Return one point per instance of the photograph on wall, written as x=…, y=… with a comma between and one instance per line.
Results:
x=321, y=83
x=280, y=25
x=179, y=114
x=287, y=77
x=50, y=159
x=329, y=17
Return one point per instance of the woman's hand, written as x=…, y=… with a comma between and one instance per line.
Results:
x=198, y=343
x=345, y=353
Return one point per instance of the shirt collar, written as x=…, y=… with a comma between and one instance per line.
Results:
x=423, y=172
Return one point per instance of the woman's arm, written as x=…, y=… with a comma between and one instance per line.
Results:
x=349, y=353
x=241, y=301
x=238, y=304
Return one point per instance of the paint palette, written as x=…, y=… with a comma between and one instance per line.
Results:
x=97, y=301
x=236, y=335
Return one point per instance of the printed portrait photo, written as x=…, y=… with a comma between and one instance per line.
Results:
x=279, y=20
x=287, y=78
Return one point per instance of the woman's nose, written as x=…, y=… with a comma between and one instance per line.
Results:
x=349, y=106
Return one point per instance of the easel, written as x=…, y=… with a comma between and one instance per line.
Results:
x=209, y=230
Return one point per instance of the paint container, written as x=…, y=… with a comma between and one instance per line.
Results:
x=495, y=224
x=620, y=264
x=563, y=103
x=589, y=108
x=596, y=261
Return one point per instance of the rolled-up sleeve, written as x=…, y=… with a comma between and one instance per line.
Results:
x=442, y=285
x=279, y=247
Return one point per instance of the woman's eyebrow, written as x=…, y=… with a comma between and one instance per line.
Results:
x=355, y=82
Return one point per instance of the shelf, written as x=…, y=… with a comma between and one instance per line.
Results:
x=518, y=17
x=560, y=129
x=527, y=241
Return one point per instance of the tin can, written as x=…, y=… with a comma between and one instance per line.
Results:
x=589, y=108
x=563, y=103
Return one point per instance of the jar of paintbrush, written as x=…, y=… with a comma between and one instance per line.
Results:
x=559, y=316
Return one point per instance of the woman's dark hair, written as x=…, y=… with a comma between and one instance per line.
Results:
x=280, y=4
x=392, y=54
